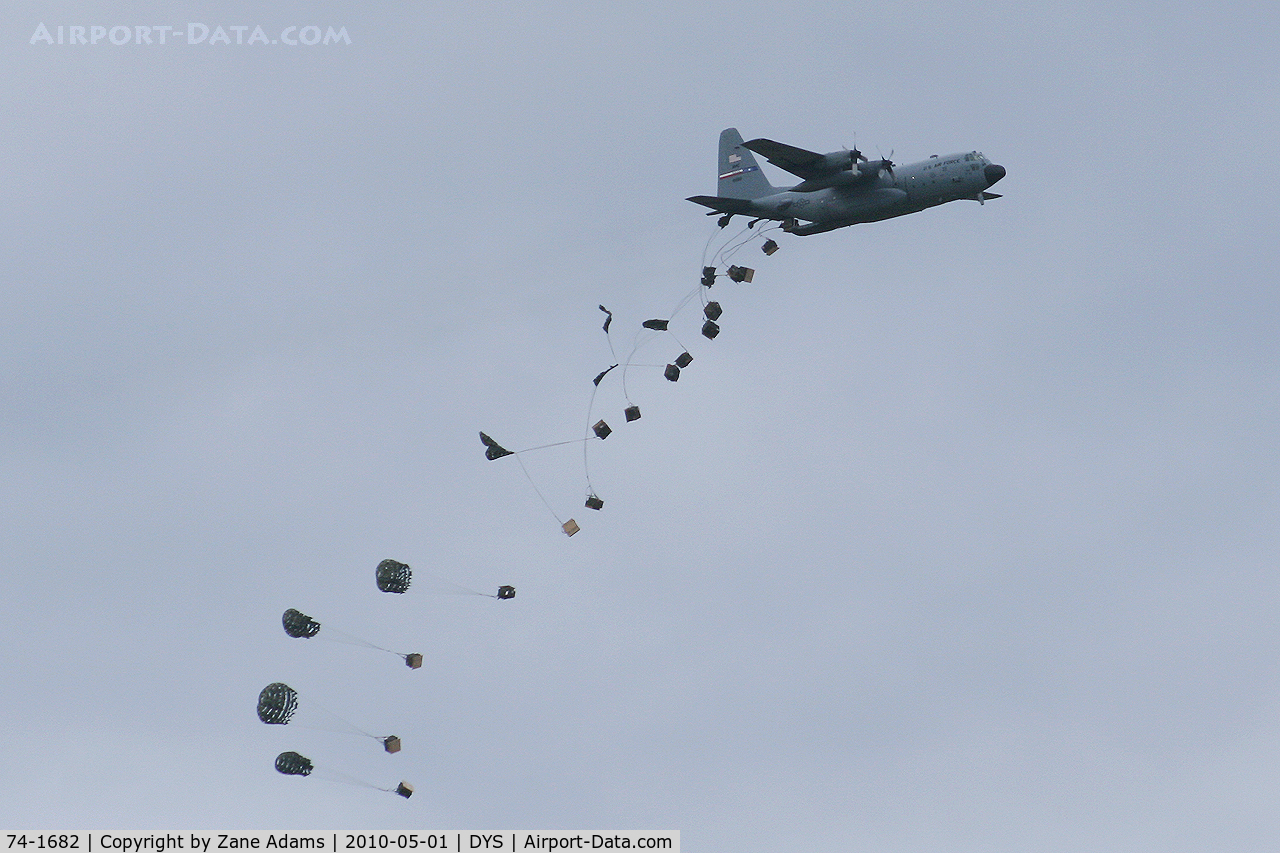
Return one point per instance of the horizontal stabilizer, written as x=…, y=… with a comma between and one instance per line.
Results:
x=723, y=205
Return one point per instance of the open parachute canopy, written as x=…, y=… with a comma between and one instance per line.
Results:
x=277, y=703
x=393, y=576
x=293, y=764
x=299, y=624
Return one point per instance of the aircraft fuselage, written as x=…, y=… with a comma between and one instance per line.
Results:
x=841, y=188
x=909, y=188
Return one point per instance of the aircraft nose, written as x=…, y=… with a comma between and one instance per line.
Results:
x=993, y=173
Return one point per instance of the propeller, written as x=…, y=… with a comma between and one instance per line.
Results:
x=855, y=156
x=886, y=163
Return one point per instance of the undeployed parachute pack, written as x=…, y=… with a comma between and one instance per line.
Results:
x=716, y=256
x=301, y=626
x=395, y=577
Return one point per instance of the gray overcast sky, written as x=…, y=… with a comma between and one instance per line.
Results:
x=961, y=536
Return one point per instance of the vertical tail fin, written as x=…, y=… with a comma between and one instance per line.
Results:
x=739, y=175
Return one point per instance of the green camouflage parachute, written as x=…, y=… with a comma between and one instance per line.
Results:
x=393, y=576
x=293, y=764
x=277, y=703
x=299, y=624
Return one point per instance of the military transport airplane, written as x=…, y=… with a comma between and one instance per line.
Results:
x=839, y=189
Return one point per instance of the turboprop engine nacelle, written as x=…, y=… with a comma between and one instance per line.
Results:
x=839, y=161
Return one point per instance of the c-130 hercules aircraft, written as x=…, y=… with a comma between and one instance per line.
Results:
x=839, y=189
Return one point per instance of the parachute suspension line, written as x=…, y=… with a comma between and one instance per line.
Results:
x=495, y=451
x=724, y=243
x=727, y=251
x=719, y=252
x=435, y=583
x=636, y=345
x=707, y=247
x=732, y=245
x=628, y=363
x=278, y=705
x=352, y=639
x=683, y=348
x=329, y=774
x=535, y=485
x=347, y=723
x=686, y=300
x=293, y=764
x=552, y=444
x=586, y=437
x=517, y=454
x=609, y=337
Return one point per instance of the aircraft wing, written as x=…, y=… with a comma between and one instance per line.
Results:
x=797, y=161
